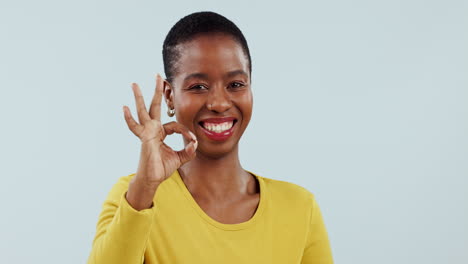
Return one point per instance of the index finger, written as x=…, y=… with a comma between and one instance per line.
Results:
x=155, y=108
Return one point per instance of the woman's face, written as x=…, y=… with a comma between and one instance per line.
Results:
x=212, y=81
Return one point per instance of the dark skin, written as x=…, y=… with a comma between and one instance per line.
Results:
x=215, y=177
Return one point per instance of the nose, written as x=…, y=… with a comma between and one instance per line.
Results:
x=218, y=100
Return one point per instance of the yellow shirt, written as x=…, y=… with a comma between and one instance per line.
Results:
x=287, y=228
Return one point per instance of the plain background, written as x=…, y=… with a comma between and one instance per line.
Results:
x=364, y=103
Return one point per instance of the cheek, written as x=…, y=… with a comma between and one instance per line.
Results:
x=181, y=107
x=187, y=107
x=184, y=102
x=246, y=103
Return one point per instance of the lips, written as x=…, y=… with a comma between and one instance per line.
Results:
x=221, y=136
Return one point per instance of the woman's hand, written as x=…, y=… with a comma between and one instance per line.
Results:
x=157, y=160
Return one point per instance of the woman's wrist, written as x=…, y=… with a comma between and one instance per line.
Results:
x=139, y=195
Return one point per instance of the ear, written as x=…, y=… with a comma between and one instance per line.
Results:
x=168, y=93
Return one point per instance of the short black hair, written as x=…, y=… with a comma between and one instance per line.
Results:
x=192, y=25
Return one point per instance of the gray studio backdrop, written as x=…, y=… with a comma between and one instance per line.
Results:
x=364, y=103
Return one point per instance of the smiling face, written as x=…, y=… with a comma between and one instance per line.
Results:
x=211, y=82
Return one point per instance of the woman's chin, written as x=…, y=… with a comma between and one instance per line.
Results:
x=216, y=151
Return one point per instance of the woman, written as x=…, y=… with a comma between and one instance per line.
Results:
x=198, y=205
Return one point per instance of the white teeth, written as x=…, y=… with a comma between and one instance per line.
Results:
x=218, y=128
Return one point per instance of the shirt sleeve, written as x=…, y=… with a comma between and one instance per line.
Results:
x=121, y=232
x=317, y=249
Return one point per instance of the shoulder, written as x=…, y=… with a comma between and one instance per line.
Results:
x=119, y=187
x=123, y=182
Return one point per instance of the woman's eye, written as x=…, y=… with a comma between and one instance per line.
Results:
x=197, y=87
x=236, y=84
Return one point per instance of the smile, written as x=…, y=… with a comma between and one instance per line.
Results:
x=218, y=127
x=218, y=131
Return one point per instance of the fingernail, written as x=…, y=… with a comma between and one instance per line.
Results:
x=193, y=136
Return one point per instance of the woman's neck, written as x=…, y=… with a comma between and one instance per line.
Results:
x=220, y=179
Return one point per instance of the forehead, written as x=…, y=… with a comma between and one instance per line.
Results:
x=211, y=54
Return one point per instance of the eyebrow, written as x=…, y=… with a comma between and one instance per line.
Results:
x=205, y=76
